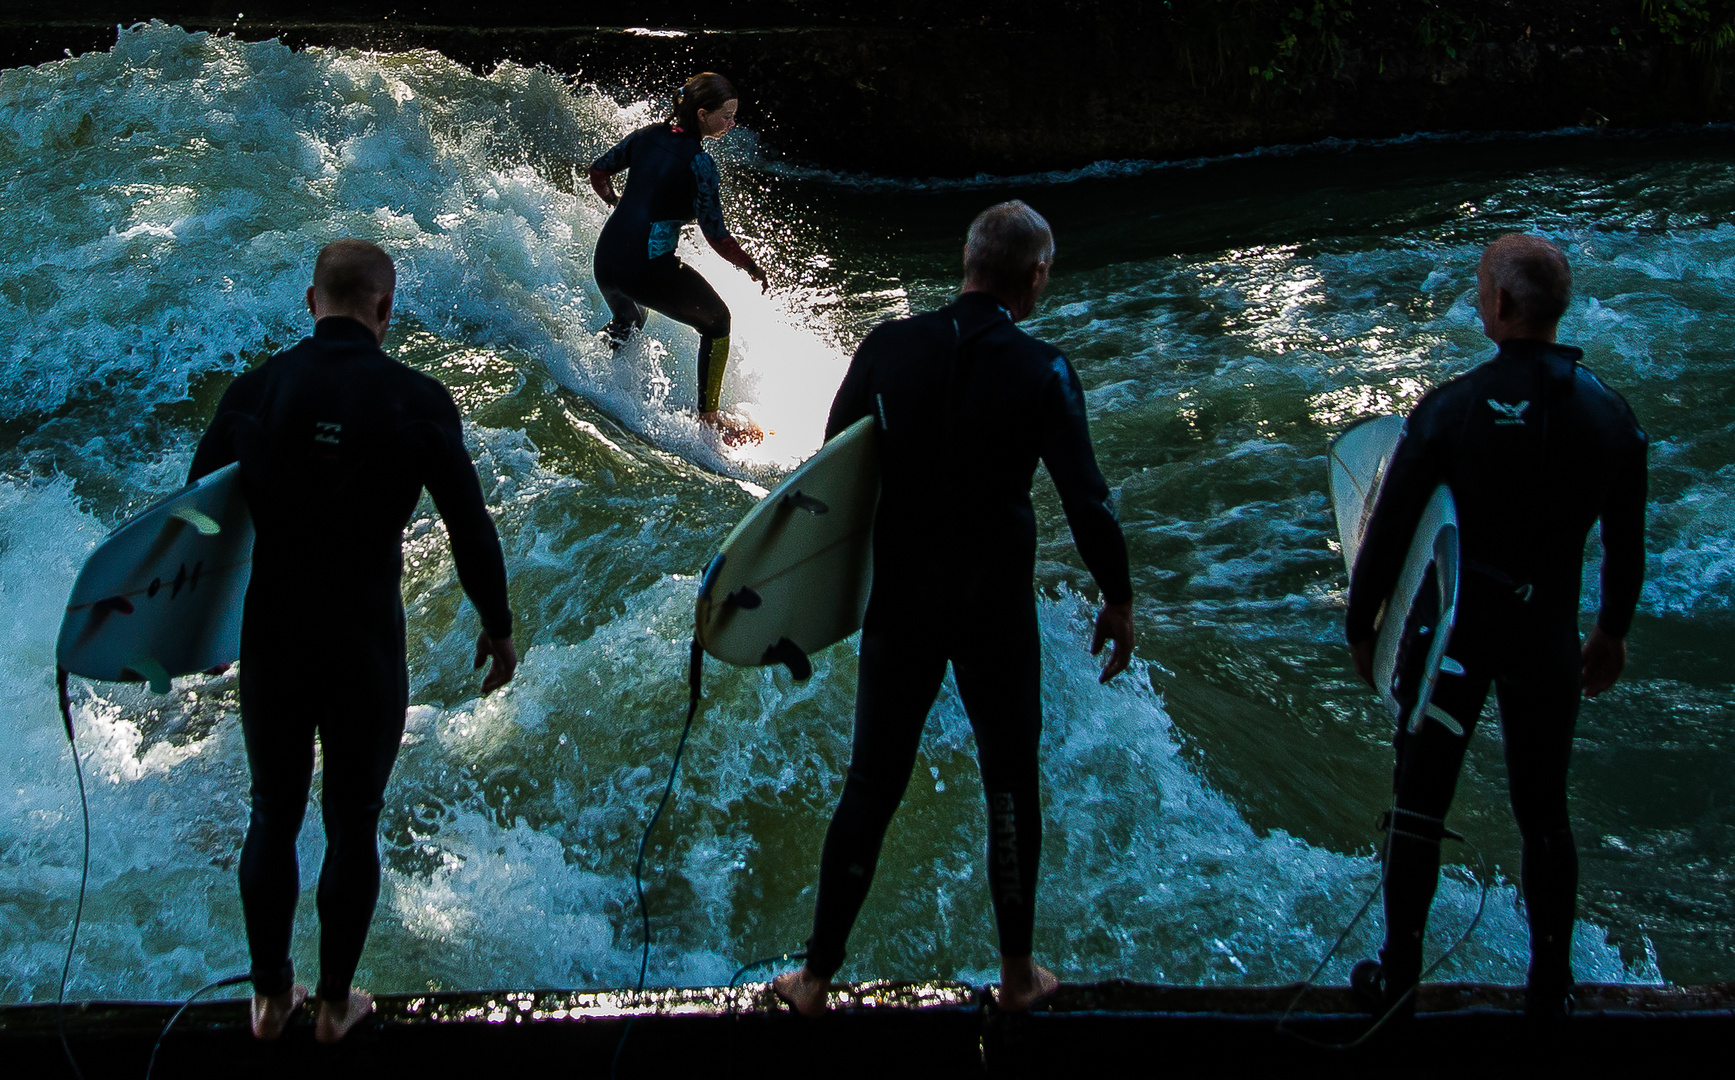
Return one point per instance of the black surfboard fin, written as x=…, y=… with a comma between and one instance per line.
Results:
x=801, y=500
x=147, y=670
x=744, y=598
x=791, y=656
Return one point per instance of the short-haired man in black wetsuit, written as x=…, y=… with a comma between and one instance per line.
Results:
x=1535, y=450
x=336, y=441
x=967, y=405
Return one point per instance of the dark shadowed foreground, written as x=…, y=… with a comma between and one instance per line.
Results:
x=886, y=1028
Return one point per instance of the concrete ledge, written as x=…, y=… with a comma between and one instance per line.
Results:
x=891, y=1029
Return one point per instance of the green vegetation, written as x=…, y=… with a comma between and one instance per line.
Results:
x=1705, y=26
x=1264, y=48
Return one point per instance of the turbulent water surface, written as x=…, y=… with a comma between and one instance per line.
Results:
x=1210, y=817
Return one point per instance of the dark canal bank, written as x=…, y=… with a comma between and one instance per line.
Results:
x=948, y=88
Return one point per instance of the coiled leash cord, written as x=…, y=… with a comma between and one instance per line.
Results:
x=60, y=681
x=695, y=664
x=227, y=980
x=84, y=874
x=1308, y=983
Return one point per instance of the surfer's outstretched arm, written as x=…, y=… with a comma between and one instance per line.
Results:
x=1623, y=574
x=602, y=170
x=1084, y=496
x=451, y=479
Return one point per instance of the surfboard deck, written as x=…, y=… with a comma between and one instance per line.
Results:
x=161, y=596
x=794, y=575
x=1418, y=617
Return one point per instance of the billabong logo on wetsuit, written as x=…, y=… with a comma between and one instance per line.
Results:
x=1508, y=414
x=327, y=432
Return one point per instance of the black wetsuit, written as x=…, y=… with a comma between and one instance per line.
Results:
x=967, y=404
x=1535, y=450
x=336, y=441
x=673, y=181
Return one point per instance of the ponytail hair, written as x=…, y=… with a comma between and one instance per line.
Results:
x=706, y=90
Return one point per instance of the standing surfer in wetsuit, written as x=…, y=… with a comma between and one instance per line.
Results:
x=1535, y=450
x=336, y=441
x=673, y=181
x=967, y=405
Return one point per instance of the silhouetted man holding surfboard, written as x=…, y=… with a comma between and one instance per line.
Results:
x=336, y=442
x=967, y=405
x=1535, y=450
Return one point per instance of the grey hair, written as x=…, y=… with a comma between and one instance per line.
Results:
x=1004, y=242
x=1534, y=273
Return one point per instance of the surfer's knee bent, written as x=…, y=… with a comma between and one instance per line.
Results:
x=714, y=324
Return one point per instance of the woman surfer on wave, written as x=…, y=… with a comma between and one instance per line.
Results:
x=674, y=181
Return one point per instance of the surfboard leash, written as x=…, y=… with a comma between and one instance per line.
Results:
x=65, y=699
x=695, y=669
x=1390, y=818
x=227, y=980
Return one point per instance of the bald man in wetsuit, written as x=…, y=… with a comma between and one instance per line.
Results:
x=1536, y=450
x=966, y=404
x=336, y=441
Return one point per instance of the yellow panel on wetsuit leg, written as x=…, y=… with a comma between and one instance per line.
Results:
x=711, y=389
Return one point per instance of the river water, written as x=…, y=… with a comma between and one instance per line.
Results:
x=1210, y=816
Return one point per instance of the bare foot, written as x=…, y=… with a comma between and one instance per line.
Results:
x=733, y=428
x=802, y=991
x=1023, y=983
x=271, y=1014
x=334, y=1023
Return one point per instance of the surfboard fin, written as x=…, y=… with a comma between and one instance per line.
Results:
x=1445, y=718
x=744, y=598
x=791, y=656
x=198, y=519
x=803, y=501
x=152, y=672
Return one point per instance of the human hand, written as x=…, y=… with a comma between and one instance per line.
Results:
x=1604, y=659
x=757, y=273
x=1114, y=623
x=505, y=656
x=1361, y=653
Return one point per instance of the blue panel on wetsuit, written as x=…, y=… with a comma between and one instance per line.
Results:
x=664, y=236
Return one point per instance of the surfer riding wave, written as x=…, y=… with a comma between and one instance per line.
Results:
x=673, y=181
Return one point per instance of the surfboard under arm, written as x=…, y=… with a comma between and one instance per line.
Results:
x=1357, y=470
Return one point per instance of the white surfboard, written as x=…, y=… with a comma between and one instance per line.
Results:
x=794, y=575
x=1359, y=458
x=162, y=595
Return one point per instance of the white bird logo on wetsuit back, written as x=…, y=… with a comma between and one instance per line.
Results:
x=1508, y=414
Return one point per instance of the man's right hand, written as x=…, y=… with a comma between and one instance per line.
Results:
x=1361, y=653
x=1114, y=623
x=1604, y=659
x=505, y=656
